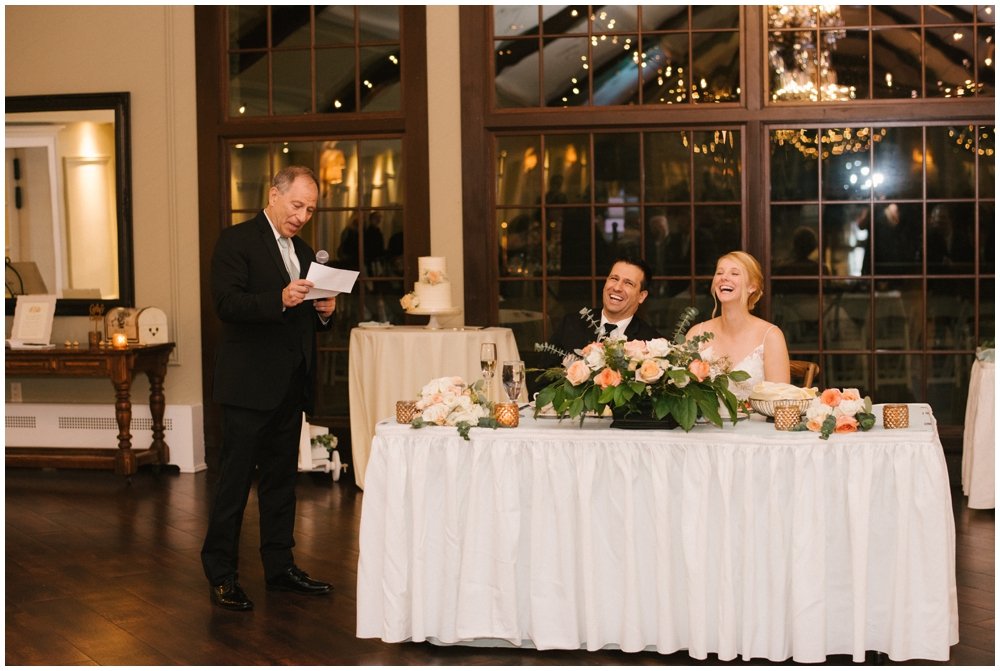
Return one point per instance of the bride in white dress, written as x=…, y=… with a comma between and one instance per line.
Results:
x=742, y=341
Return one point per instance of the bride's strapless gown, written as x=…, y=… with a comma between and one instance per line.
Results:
x=752, y=363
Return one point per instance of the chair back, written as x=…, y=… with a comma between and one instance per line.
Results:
x=803, y=372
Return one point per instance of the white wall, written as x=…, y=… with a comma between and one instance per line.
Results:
x=149, y=52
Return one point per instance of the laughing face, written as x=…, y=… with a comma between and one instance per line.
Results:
x=731, y=283
x=289, y=210
x=623, y=291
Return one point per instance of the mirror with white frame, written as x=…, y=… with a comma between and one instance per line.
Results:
x=68, y=200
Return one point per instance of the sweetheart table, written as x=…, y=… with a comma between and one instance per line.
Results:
x=740, y=541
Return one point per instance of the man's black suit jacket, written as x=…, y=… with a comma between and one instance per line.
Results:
x=261, y=344
x=575, y=332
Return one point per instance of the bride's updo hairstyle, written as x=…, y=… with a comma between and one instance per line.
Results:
x=751, y=272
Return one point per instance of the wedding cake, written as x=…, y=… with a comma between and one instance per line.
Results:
x=432, y=288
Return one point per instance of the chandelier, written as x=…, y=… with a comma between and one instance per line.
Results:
x=800, y=54
x=833, y=142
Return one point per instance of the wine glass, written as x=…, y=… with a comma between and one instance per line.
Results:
x=512, y=376
x=488, y=363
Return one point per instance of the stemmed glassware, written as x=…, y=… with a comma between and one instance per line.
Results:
x=488, y=364
x=512, y=376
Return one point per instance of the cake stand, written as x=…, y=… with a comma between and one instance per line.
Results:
x=434, y=314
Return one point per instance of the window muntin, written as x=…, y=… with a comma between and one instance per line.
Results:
x=287, y=61
x=821, y=53
x=575, y=56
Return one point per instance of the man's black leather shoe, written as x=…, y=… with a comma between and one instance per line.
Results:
x=294, y=579
x=230, y=595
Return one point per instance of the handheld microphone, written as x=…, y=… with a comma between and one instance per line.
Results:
x=322, y=257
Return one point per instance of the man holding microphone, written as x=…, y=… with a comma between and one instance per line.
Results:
x=264, y=379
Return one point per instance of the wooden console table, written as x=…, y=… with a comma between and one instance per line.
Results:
x=118, y=365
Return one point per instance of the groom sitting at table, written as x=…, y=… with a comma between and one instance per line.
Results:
x=625, y=289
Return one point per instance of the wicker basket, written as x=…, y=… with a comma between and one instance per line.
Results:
x=766, y=408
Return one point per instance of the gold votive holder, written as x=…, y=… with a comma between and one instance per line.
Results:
x=119, y=341
x=786, y=416
x=896, y=415
x=405, y=411
x=506, y=414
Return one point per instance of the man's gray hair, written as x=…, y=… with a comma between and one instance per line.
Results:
x=284, y=177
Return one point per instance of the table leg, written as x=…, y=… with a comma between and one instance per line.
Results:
x=121, y=378
x=157, y=404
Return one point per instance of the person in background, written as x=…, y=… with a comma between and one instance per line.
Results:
x=264, y=373
x=741, y=340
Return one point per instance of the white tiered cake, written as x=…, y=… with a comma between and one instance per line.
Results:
x=432, y=288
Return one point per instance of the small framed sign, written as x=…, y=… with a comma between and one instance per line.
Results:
x=32, y=327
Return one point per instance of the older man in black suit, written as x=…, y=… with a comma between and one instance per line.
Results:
x=264, y=373
x=625, y=289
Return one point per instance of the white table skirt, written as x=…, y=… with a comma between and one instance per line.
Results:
x=393, y=364
x=979, y=438
x=736, y=541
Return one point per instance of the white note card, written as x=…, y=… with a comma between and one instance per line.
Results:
x=329, y=282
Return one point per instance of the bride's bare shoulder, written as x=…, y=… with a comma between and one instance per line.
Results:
x=701, y=327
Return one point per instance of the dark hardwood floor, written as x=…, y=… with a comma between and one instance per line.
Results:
x=99, y=571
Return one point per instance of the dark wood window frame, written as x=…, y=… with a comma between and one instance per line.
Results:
x=216, y=131
x=481, y=121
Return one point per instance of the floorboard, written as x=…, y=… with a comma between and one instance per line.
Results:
x=100, y=571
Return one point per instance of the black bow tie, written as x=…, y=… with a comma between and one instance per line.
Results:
x=609, y=327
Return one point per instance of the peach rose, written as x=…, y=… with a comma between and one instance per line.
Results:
x=846, y=425
x=434, y=277
x=831, y=397
x=608, y=378
x=649, y=372
x=814, y=425
x=578, y=372
x=700, y=369
x=850, y=395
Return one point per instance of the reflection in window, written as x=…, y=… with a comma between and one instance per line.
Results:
x=306, y=60
x=563, y=56
x=820, y=53
x=569, y=203
x=877, y=240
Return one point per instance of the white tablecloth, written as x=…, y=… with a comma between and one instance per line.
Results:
x=393, y=364
x=736, y=541
x=979, y=439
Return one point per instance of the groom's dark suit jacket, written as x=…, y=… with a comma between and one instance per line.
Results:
x=575, y=332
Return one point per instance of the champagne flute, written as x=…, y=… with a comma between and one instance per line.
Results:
x=512, y=376
x=488, y=363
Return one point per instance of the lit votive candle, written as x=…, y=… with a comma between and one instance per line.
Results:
x=896, y=416
x=786, y=417
x=405, y=411
x=506, y=414
x=119, y=341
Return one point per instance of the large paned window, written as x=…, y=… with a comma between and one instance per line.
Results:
x=569, y=204
x=831, y=53
x=307, y=59
x=875, y=232
x=326, y=87
x=882, y=254
x=579, y=55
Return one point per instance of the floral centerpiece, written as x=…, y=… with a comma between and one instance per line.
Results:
x=649, y=379
x=449, y=401
x=839, y=411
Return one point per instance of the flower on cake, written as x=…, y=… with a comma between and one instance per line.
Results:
x=409, y=301
x=449, y=401
x=434, y=276
x=839, y=411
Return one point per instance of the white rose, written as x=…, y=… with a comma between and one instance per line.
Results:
x=659, y=347
x=817, y=412
x=850, y=408
x=435, y=414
